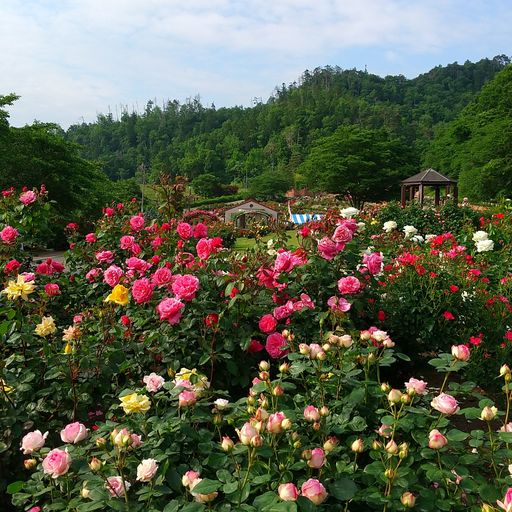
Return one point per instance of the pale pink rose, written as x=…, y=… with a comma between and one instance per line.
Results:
x=113, y=275
x=185, y=287
x=506, y=504
x=384, y=430
x=311, y=413
x=204, y=248
x=105, y=256
x=436, y=440
x=33, y=441
x=417, y=386
x=288, y=492
x=276, y=345
x=187, y=398
x=93, y=274
x=161, y=277
x=461, y=352
x=184, y=230
x=339, y=304
x=282, y=312
x=29, y=277
x=142, y=290
x=342, y=234
x=267, y=324
x=28, y=197
x=153, y=382
x=189, y=477
x=56, y=463
x=274, y=422
x=445, y=404
x=170, y=310
x=137, y=222
x=90, y=238
x=115, y=487
x=317, y=459
x=314, y=491
x=327, y=248
x=200, y=230
x=73, y=433
x=146, y=470
x=247, y=433
x=304, y=302
x=373, y=262
x=126, y=242
x=315, y=350
x=8, y=235
x=506, y=428
x=348, y=285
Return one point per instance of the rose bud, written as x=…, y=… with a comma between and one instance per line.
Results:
x=101, y=442
x=326, y=347
x=394, y=396
x=95, y=464
x=311, y=413
x=316, y=426
x=284, y=368
x=84, y=492
x=257, y=441
x=30, y=463
x=264, y=366
x=288, y=492
x=317, y=459
x=436, y=440
x=314, y=491
x=278, y=391
x=376, y=445
x=286, y=424
x=227, y=444
x=488, y=413
x=403, y=450
x=330, y=443
x=306, y=455
x=389, y=473
x=324, y=411
x=504, y=370
x=357, y=446
x=385, y=387
x=391, y=447
x=460, y=352
x=408, y=499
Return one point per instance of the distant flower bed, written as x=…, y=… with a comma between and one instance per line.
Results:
x=160, y=370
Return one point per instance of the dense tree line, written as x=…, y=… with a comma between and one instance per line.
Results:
x=277, y=138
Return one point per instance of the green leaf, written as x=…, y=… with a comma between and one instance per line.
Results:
x=206, y=486
x=172, y=506
x=343, y=489
x=15, y=487
x=265, y=499
x=457, y=435
x=505, y=436
x=230, y=487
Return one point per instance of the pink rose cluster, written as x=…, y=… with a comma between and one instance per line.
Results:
x=311, y=489
x=344, y=232
x=8, y=235
x=28, y=197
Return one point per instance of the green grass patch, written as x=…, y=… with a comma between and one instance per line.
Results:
x=243, y=243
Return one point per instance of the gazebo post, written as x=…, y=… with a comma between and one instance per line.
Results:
x=437, y=196
x=402, y=195
x=411, y=193
x=420, y=190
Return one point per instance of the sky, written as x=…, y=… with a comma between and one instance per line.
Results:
x=70, y=60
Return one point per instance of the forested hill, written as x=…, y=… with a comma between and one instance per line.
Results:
x=238, y=143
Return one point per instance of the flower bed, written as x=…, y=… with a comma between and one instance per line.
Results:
x=162, y=371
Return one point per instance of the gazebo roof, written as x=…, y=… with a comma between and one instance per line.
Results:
x=428, y=177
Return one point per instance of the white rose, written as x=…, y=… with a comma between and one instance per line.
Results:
x=418, y=238
x=409, y=231
x=478, y=236
x=389, y=226
x=221, y=404
x=484, y=245
x=348, y=213
x=429, y=237
x=146, y=470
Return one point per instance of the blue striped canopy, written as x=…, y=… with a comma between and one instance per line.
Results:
x=302, y=218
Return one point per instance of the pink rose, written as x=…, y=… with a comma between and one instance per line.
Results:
x=137, y=222
x=56, y=463
x=189, y=478
x=349, y=285
x=52, y=289
x=146, y=470
x=33, y=441
x=115, y=487
x=311, y=413
x=506, y=504
x=339, y=304
x=90, y=238
x=419, y=387
x=460, y=352
x=170, y=310
x=373, y=262
x=105, y=256
x=9, y=235
x=185, y=287
x=142, y=290
x=113, y=275
x=28, y=197
x=314, y=491
x=187, y=398
x=247, y=433
x=184, y=230
x=49, y=267
x=288, y=492
x=275, y=422
x=153, y=382
x=328, y=248
x=200, y=230
x=161, y=277
x=93, y=274
x=436, y=440
x=342, y=234
x=317, y=459
x=73, y=433
x=126, y=242
x=138, y=264
x=267, y=323
x=282, y=312
x=445, y=404
x=276, y=345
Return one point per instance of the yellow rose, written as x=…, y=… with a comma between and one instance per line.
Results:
x=68, y=349
x=19, y=288
x=46, y=327
x=119, y=295
x=135, y=403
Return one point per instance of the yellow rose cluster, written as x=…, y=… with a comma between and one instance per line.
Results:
x=135, y=403
x=118, y=295
x=46, y=327
x=19, y=288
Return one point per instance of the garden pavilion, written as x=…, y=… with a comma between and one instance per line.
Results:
x=428, y=178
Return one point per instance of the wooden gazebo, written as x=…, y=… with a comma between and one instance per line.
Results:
x=427, y=178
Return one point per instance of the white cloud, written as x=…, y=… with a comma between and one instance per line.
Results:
x=74, y=58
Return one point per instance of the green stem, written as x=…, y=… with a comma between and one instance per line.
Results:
x=491, y=439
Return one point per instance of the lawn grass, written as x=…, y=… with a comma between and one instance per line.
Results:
x=243, y=243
